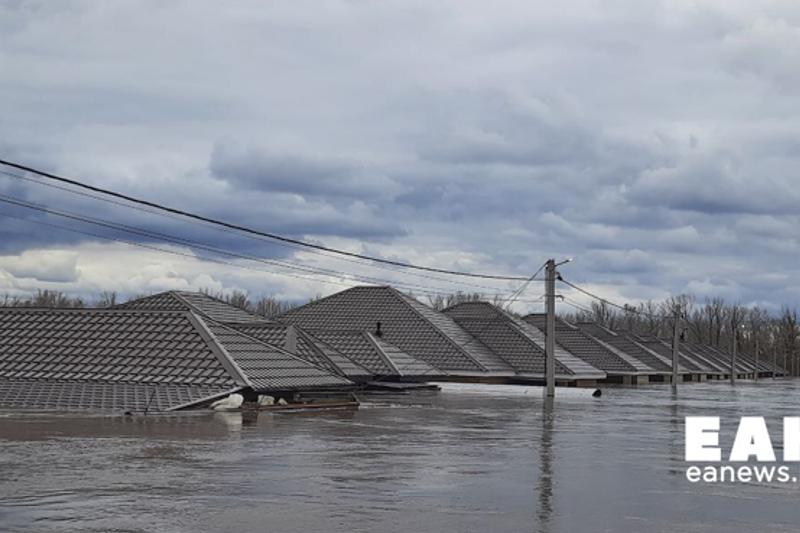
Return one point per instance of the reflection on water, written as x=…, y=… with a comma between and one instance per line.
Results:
x=450, y=463
x=545, y=485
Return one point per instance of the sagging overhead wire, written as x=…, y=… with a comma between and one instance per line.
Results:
x=626, y=308
x=244, y=229
x=199, y=246
x=239, y=234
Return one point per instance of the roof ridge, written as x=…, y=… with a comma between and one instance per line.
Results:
x=313, y=340
x=180, y=296
x=328, y=297
x=219, y=349
x=109, y=310
x=406, y=299
x=264, y=343
x=375, y=344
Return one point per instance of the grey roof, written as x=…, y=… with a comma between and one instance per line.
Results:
x=623, y=342
x=406, y=323
x=685, y=360
x=267, y=367
x=307, y=347
x=516, y=341
x=404, y=364
x=589, y=349
x=119, y=353
x=78, y=395
x=379, y=356
x=108, y=345
x=198, y=302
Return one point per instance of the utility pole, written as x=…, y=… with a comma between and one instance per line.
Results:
x=755, y=376
x=675, y=348
x=733, y=357
x=550, y=330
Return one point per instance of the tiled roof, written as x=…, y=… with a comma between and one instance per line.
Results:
x=625, y=343
x=77, y=395
x=379, y=356
x=198, y=302
x=357, y=347
x=582, y=345
x=267, y=367
x=406, y=365
x=409, y=325
x=106, y=357
x=659, y=346
x=723, y=359
x=517, y=342
x=307, y=347
x=112, y=346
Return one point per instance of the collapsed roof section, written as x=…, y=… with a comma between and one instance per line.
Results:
x=519, y=343
x=409, y=325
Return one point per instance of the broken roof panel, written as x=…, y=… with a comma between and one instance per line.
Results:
x=199, y=302
x=519, y=343
x=406, y=323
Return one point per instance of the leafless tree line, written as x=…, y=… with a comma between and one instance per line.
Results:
x=267, y=306
x=713, y=321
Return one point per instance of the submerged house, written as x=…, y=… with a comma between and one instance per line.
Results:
x=382, y=358
x=624, y=343
x=404, y=323
x=293, y=340
x=617, y=364
x=520, y=343
x=139, y=360
x=696, y=361
x=296, y=340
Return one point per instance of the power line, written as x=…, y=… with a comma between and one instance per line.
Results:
x=625, y=308
x=194, y=245
x=244, y=229
x=232, y=232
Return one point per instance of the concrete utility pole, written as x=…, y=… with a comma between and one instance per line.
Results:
x=733, y=357
x=550, y=330
x=675, y=348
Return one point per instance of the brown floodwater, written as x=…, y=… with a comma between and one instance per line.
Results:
x=448, y=462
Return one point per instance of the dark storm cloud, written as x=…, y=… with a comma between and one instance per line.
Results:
x=655, y=142
x=303, y=174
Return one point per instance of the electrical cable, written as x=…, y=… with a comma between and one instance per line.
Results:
x=245, y=229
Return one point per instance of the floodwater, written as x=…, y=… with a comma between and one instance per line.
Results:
x=448, y=462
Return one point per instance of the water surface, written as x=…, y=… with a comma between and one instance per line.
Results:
x=446, y=463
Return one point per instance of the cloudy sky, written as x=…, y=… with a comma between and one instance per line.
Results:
x=657, y=143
